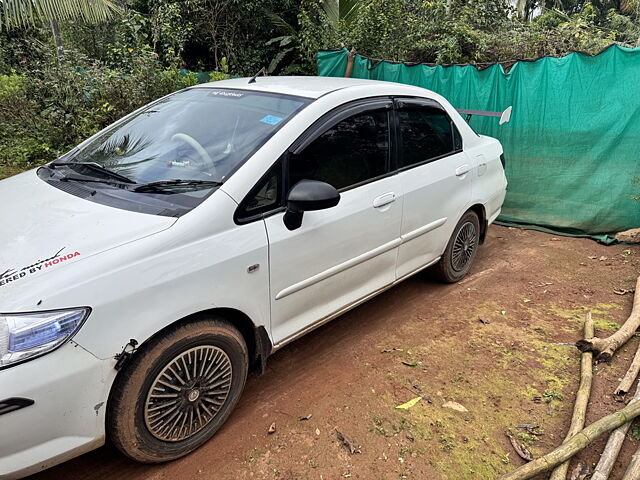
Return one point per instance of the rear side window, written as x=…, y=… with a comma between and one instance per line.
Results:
x=427, y=133
x=353, y=151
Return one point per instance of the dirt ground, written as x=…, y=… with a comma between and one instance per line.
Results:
x=423, y=339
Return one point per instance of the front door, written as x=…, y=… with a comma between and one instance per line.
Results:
x=341, y=255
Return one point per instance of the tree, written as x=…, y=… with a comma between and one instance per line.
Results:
x=25, y=13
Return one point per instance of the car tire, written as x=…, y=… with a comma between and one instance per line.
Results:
x=461, y=250
x=177, y=390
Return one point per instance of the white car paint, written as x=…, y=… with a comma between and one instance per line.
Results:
x=140, y=273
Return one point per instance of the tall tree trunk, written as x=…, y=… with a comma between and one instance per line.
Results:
x=57, y=37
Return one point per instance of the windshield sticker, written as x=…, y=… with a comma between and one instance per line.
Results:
x=271, y=120
x=12, y=275
x=226, y=93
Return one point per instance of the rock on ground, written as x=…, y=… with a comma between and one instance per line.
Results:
x=629, y=236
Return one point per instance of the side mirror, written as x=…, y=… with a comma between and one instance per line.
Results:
x=308, y=195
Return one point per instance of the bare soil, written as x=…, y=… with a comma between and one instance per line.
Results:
x=423, y=339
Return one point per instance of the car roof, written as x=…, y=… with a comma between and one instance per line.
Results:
x=310, y=86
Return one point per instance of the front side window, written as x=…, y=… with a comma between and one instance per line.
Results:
x=353, y=151
x=426, y=133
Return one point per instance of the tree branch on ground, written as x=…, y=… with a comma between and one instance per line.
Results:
x=631, y=375
x=575, y=444
x=606, y=347
x=613, y=446
x=582, y=398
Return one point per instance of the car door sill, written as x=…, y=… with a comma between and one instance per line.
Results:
x=351, y=306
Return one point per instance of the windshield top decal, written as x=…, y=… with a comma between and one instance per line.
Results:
x=12, y=274
x=226, y=94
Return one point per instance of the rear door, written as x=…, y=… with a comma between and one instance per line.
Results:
x=435, y=177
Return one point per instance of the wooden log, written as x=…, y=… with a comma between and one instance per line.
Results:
x=606, y=347
x=612, y=449
x=633, y=470
x=576, y=443
x=582, y=398
x=631, y=375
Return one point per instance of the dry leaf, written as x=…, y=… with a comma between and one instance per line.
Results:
x=410, y=403
x=521, y=450
x=455, y=406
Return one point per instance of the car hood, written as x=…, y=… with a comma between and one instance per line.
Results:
x=45, y=229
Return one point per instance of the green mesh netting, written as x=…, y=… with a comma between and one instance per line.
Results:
x=573, y=144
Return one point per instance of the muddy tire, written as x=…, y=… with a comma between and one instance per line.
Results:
x=177, y=390
x=461, y=250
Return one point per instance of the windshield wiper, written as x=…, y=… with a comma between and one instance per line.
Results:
x=94, y=180
x=169, y=185
x=95, y=167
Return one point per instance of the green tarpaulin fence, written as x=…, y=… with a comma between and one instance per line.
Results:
x=573, y=143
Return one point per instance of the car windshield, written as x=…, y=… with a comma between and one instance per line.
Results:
x=196, y=134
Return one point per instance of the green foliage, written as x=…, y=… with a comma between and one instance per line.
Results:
x=116, y=63
x=460, y=31
x=341, y=11
x=59, y=103
x=551, y=395
x=171, y=29
x=24, y=13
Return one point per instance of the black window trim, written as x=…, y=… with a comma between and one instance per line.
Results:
x=278, y=207
x=404, y=102
x=317, y=128
x=386, y=102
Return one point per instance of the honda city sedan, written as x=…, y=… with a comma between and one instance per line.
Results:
x=146, y=272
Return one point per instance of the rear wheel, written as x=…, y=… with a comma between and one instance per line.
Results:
x=461, y=250
x=178, y=391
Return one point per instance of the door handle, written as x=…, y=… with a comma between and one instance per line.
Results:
x=462, y=169
x=384, y=199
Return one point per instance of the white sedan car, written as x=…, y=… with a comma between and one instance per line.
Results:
x=147, y=271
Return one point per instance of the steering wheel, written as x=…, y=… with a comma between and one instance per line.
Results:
x=193, y=143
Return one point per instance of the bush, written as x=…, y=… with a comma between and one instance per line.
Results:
x=57, y=104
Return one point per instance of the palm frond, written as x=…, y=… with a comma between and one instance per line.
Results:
x=332, y=10
x=341, y=10
x=279, y=22
x=25, y=13
x=349, y=10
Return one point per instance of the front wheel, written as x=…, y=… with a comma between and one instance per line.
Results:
x=461, y=250
x=178, y=391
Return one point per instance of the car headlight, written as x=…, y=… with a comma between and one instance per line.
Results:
x=28, y=335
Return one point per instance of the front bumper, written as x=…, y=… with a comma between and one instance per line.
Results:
x=69, y=389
